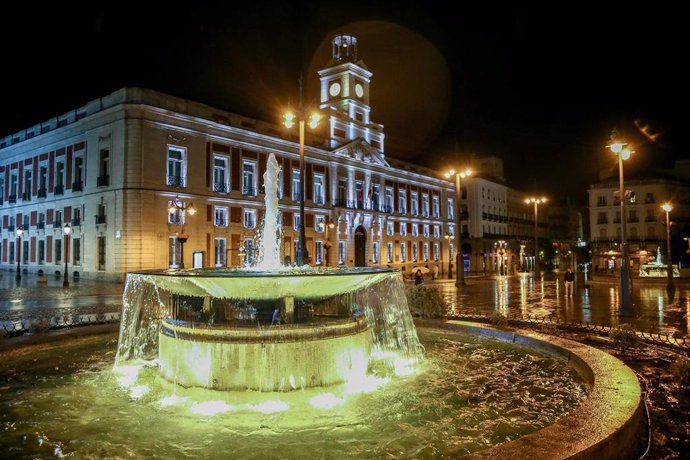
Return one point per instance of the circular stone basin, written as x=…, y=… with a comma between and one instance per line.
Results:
x=275, y=358
x=533, y=397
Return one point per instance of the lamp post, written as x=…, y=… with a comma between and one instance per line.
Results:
x=19, y=233
x=327, y=244
x=289, y=121
x=536, y=202
x=623, y=153
x=459, y=256
x=177, y=206
x=667, y=207
x=66, y=230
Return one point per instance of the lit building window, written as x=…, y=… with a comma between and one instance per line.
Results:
x=414, y=203
x=295, y=221
x=249, y=178
x=250, y=218
x=317, y=224
x=390, y=228
x=436, y=210
x=221, y=174
x=389, y=200
x=451, y=230
x=341, y=252
x=451, y=209
x=319, y=189
x=402, y=201
x=173, y=252
x=220, y=216
x=426, y=230
x=249, y=251
x=414, y=252
x=319, y=252
x=425, y=248
x=437, y=231
x=403, y=252
x=177, y=165
x=177, y=216
x=415, y=229
x=375, y=252
x=220, y=252
x=296, y=184
x=403, y=228
x=390, y=253
x=436, y=252
x=425, y=204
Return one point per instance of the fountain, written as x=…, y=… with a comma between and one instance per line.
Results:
x=266, y=327
x=274, y=362
x=656, y=268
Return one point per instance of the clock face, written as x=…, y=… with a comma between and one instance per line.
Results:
x=359, y=91
x=334, y=89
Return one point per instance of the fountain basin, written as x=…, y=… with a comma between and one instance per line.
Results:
x=275, y=358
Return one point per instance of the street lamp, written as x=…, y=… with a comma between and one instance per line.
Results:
x=459, y=256
x=501, y=249
x=623, y=153
x=536, y=202
x=19, y=233
x=327, y=244
x=177, y=206
x=289, y=121
x=66, y=230
x=667, y=207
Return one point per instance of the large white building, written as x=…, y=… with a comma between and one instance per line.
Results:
x=112, y=169
x=645, y=220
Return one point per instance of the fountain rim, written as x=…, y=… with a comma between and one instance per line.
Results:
x=212, y=272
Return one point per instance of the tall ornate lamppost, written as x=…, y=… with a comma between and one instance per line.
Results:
x=459, y=256
x=178, y=206
x=325, y=227
x=667, y=207
x=19, y=231
x=66, y=230
x=289, y=121
x=623, y=153
x=536, y=202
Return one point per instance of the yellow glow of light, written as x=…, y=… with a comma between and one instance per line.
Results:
x=625, y=154
x=668, y=207
x=269, y=407
x=127, y=375
x=192, y=210
x=139, y=391
x=466, y=173
x=172, y=400
x=616, y=147
x=326, y=401
x=289, y=119
x=314, y=120
x=211, y=408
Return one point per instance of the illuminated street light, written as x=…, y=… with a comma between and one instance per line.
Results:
x=177, y=205
x=19, y=233
x=667, y=207
x=536, y=202
x=289, y=121
x=459, y=256
x=66, y=230
x=623, y=152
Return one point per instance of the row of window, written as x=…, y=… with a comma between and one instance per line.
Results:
x=76, y=221
x=602, y=216
x=177, y=173
x=60, y=177
x=10, y=256
x=632, y=198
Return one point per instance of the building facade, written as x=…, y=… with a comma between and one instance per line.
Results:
x=645, y=219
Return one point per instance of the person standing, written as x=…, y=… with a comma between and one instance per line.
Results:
x=435, y=272
x=418, y=277
x=569, y=279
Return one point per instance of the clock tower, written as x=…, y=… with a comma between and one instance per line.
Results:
x=345, y=96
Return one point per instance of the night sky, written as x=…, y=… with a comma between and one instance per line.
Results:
x=540, y=87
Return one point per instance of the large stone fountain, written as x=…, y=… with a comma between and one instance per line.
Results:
x=267, y=327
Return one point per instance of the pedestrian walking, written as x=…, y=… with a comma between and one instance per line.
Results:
x=569, y=280
x=418, y=277
x=435, y=272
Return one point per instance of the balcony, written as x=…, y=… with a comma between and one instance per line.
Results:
x=12, y=199
x=41, y=225
x=103, y=181
x=220, y=187
x=26, y=196
x=100, y=219
x=57, y=223
x=10, y=228
x=76, y=222
x=176, y=181
x=42, y=192
x=59, y=190
x=78, y=186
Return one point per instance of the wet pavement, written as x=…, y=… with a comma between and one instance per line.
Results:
x=515, y=295
x=597, y=303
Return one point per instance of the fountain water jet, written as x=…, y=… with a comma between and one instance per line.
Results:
x=267, y=327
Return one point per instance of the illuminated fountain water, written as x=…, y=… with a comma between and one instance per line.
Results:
x=267, y=327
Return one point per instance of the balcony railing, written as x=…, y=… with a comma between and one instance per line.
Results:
x=26, y=196
x=249, y=191
x=41, y=225
x=10, y=228
x=57, y=223
x=76, y=222
x=77, y=186
x=102, y=181
x=176, y=181
x=12, y=199
x=42, y=192
x=220, y=187
x=100, y=219
x=59, y=190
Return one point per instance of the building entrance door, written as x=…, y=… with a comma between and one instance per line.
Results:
x=360, y=247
